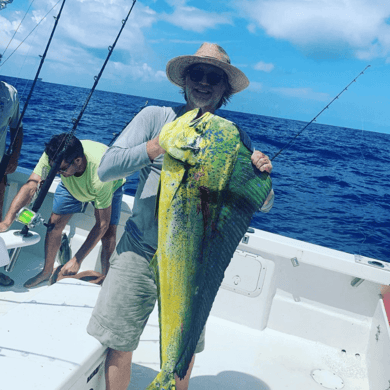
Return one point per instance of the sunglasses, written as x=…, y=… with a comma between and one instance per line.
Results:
x=61, y=171
x=212, y=78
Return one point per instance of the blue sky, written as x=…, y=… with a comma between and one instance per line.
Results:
x=298, y=54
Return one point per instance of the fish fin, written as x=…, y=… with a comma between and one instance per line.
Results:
x=157, y=199
x=163, y=381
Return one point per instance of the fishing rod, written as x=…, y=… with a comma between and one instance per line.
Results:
x=7, y=156
x=327, y=106
x=30, y=217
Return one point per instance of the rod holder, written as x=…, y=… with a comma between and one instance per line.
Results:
x=14, y=256
x=356, y=282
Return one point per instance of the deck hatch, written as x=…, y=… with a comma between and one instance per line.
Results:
x=327, y=379
x=245, y=274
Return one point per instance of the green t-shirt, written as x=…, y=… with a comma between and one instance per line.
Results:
x=87, y=187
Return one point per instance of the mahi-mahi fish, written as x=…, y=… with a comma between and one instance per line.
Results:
x=208, y=193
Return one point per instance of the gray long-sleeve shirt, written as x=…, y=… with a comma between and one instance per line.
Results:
x=128, y=155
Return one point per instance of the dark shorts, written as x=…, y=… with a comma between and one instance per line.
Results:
x=66, y=203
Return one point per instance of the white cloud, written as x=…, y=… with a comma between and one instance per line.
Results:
x=138, y=71
x=264, y=67
x=362, y=25
x=301, y=93
x=251, y=28
x=80, y=25
x=84, y=32
x=255, y=86
x=194, y=19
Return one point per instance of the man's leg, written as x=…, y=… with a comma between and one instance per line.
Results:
x=125, y=301
x=183, y=383
x=108, y=246
x=52, y=245
x=4, y=279
x=3, y=184
x=118, y=369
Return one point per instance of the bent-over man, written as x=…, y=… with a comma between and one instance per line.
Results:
x=79, y=185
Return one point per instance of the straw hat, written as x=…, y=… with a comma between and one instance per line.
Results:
x=208, y=53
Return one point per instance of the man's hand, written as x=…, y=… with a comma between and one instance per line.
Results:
x=261, y=161
x=153, y=148
x=11, y=167
x=71, y=267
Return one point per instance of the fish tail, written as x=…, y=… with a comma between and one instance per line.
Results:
x=163, y=381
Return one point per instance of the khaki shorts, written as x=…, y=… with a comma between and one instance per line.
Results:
x=127, y=298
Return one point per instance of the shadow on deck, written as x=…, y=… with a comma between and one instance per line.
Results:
x=142, y=376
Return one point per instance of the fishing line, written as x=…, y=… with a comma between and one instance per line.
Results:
x=7, y=156
x=327, y=106
x=58, y=157
x=18, y=27
x=32, y=32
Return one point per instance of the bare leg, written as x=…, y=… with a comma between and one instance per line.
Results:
x=108, y=246
x=4, y=280
x=183, y=384
x=118, y=369
x=52, y=245
x=2, y=192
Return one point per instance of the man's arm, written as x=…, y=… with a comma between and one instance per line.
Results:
x=22, y=198
x=13, y=162
x=135, y=148
x=263, y=164
x=103, y=217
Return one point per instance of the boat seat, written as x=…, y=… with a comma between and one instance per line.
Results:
x=13, y=239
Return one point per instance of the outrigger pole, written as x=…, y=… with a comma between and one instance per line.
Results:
x=327, y=106
x=8, y=153
x=56, y=165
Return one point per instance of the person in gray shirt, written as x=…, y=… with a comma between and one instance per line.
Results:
x=129, y=291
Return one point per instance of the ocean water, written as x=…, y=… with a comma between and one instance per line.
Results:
x=332, y=186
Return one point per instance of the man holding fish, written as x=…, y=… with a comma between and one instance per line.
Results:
x=206, y=150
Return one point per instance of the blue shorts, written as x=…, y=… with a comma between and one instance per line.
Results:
x=65, y=203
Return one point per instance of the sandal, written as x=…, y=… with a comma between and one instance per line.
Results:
x=6, y=281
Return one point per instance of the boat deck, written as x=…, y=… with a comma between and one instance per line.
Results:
x=235, y=357
x=27, y=266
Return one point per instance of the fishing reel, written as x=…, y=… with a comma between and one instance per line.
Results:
x=32, y=219
x=29, y=218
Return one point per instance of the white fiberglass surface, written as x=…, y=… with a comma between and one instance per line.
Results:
x=26, y=266
x=237, y=357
